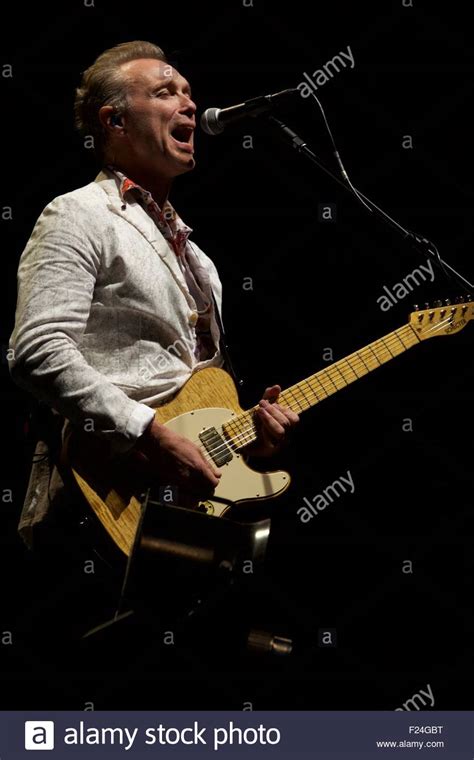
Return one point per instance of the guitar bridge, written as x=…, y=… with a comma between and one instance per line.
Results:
x=215, y=446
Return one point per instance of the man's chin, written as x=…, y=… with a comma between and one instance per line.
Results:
x=175, y=166
x=185, y=165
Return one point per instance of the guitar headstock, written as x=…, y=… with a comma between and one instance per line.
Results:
x=443, y=318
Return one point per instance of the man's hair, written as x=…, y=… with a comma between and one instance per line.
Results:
x=104, y=84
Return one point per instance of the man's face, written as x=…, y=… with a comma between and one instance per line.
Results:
x=160, y=119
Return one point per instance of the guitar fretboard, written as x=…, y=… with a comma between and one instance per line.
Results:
x=241, y=430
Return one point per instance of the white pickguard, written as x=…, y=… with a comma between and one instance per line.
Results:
x=238, y=481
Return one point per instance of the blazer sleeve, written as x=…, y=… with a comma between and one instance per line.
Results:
x=56, y=279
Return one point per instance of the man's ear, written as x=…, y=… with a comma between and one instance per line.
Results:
x=110, y=118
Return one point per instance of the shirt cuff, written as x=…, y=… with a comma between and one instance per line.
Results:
x=136, y=424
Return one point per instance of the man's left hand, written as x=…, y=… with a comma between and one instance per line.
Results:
x=273, y=422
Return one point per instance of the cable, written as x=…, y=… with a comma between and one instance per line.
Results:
x=344, y=174
x=409, y=233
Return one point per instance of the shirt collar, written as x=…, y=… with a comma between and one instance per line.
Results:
x=167, y=214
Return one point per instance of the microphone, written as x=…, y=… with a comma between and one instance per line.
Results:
x=214, y=120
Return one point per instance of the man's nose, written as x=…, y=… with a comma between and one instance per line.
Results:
x=188, y=107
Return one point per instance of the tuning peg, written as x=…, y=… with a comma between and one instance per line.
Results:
x=447, y=302
x=427, y=306
x=460, y=299
x=437, y=304
x=416, y=307
x=468, y=297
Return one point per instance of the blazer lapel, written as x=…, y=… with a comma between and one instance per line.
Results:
x=136, y=215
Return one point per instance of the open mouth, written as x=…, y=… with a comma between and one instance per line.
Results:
x=182, y=135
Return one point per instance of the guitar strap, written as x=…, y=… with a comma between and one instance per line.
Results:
x=223, y=345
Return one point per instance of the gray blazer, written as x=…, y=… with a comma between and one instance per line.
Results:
x=104, y=325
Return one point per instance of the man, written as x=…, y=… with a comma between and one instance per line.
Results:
x=110, y=283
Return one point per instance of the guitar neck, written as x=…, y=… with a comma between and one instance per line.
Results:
x=241, y=430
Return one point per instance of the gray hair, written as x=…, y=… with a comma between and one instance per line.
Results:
x=104, y=84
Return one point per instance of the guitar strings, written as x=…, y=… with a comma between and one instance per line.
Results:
x=249, y=434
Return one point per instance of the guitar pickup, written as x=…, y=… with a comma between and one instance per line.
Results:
x=215, y=446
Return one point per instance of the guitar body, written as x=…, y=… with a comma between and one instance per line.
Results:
x=207, y=411
x=207, y=400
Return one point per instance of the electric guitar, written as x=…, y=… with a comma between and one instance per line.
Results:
x=207, y=411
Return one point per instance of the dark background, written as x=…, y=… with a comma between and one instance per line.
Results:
x=315, y=286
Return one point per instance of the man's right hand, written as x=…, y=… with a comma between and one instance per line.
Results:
x=178, y=460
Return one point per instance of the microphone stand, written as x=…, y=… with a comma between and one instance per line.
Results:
x=420, y=244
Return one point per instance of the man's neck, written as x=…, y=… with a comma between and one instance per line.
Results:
x=159, y=187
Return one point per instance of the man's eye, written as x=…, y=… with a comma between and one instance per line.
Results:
x=162, y=92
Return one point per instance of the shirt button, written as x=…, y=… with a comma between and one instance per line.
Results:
x=193, y=318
